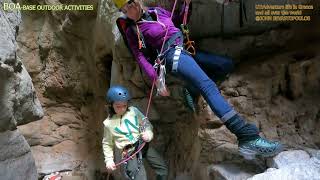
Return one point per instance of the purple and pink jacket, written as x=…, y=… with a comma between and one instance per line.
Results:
x=153, y=33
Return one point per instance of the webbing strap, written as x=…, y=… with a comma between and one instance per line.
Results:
x=176, y=58
x=172, y=40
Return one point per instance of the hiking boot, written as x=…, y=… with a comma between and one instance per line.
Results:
x=189, y=100
x=259, y=146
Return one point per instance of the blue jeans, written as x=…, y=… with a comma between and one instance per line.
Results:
x=216, y=67
x=200, y=72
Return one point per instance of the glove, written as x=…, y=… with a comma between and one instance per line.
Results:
x=111, y=166
x=146, y=137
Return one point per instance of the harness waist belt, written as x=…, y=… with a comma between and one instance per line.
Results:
x=129, y=146
x=172, y=41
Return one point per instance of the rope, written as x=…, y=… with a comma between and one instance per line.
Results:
x=150, y=97
x=186, y=10
x=139, y=38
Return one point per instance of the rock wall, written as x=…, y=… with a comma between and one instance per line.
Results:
x=73, y=57
x=58, y=49
x=18, y=104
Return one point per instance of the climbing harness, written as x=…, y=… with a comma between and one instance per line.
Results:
x=129, y=157
x=138, y=155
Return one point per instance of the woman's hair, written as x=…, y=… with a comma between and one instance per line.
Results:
x=142, y=4
x=111, y=111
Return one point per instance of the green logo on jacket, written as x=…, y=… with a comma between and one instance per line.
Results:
x=128, y=123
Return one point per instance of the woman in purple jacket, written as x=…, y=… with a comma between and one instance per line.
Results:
x=199, y=71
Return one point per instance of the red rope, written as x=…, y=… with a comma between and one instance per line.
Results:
x=185, y=16
x=150, y=97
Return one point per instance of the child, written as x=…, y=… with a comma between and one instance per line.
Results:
x=126, y=128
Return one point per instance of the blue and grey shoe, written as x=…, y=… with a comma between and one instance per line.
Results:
x=259, y=146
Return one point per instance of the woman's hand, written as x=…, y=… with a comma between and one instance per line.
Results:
x=111, y=166
x=145, y=137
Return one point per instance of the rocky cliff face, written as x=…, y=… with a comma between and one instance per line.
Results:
x=58, y=49
x=73, y=57
x=18, y=104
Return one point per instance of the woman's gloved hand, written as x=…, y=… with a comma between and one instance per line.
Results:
x=111, y=166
